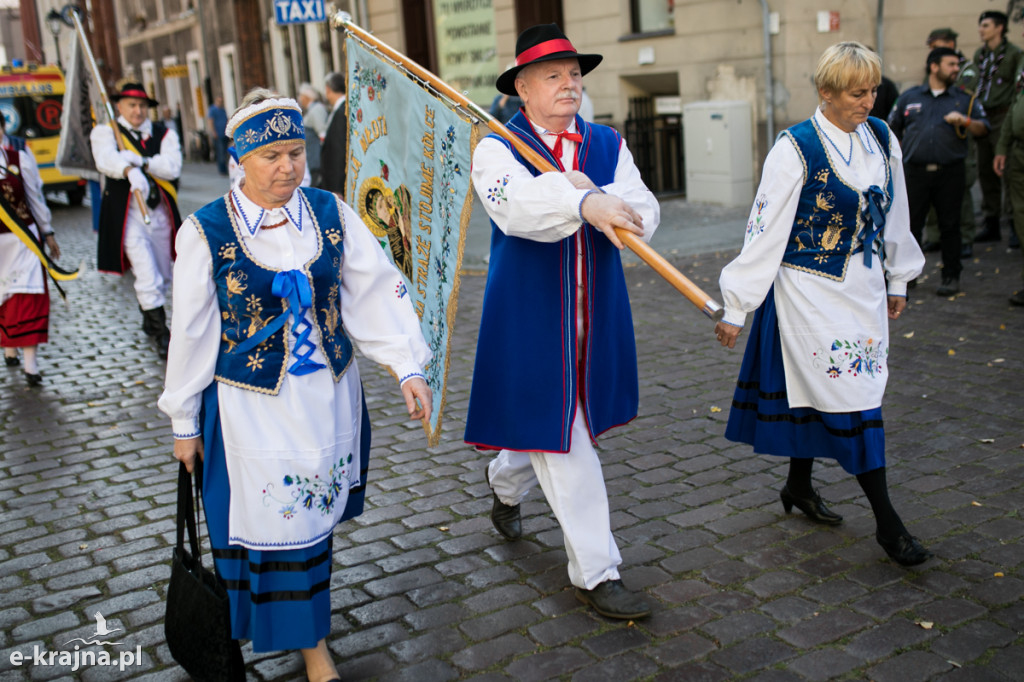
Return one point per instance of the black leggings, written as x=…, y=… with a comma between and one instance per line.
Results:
x=873, y=484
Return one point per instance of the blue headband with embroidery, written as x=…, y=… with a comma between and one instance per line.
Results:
x=270, y=122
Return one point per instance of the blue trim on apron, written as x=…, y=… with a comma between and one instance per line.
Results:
x=761, y=415
x=280, y=599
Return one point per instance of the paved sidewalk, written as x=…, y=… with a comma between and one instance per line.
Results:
x=424, y=589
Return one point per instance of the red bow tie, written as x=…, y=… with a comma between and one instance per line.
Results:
x=557, y=149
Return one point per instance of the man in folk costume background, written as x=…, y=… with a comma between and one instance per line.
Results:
x=150, y=163
x=556, y=357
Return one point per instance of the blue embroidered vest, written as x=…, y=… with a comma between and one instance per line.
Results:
x=528, y=372
x=247, y=304
x=830, y=225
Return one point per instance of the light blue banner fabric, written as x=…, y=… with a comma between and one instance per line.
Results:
x=408, y=178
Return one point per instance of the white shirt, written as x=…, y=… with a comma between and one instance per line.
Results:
x=20, y=269
x=546, y=208
x=816, y=312
x=313, y=420
x=166, y=164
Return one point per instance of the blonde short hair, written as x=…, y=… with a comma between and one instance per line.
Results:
x=847, y=65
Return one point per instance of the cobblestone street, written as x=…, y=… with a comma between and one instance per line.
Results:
x=425, y=590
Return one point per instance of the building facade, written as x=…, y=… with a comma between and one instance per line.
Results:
x=659, y=55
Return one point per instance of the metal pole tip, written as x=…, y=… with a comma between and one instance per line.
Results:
x=713, y=310
x=339, y=19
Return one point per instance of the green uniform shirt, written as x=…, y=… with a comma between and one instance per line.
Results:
x=1013, y=127
x=997, y=73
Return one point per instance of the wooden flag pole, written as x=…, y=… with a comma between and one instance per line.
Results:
x=707, y=305
x=111, y=116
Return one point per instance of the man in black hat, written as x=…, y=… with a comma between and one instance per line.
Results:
x=999, y=64
x=556, y=357
x=931, y=122
x=150, y=163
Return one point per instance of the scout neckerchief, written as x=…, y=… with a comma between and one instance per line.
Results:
x=19, y=227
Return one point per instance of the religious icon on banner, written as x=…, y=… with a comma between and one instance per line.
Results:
x=388, y=214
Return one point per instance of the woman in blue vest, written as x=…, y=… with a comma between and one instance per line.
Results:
x=272, y=285
x=825, y=263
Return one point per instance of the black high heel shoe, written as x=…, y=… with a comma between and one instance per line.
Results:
x=33, y=379
x=813, y=506
x=904, y=549
x=12, y=360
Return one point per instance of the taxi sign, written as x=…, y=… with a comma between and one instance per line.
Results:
x=298, y=11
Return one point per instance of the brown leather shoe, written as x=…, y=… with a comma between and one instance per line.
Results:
x=506, y=518
x=612, y=600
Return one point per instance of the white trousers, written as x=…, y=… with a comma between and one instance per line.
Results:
x=148, y=248
x=573, y=484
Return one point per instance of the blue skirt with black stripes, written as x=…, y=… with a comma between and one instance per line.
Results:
x=761, y=415
x=280, y=599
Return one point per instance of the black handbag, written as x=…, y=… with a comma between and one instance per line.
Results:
x=197, y=623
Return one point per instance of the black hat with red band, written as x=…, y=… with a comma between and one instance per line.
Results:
x=543, y=43
x=133, y=90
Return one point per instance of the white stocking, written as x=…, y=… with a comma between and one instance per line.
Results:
x=29, y=352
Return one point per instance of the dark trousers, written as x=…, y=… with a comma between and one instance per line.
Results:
x=1015, y=188
x=991, y=184
x=220, y=151
x=941, y=187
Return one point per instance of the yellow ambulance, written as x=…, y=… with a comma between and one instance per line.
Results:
x=31, y=100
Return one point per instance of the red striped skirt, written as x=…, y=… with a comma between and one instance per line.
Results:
x=24, y=320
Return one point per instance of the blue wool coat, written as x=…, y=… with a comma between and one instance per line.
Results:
x=528, y=373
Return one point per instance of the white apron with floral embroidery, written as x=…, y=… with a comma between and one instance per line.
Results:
x=292, y=500
x=835, y=337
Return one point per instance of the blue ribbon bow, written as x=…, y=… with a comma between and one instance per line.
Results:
x=293, y=285
x=875, y=220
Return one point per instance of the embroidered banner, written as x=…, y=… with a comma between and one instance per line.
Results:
x=408, y=178
x=74, y=152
